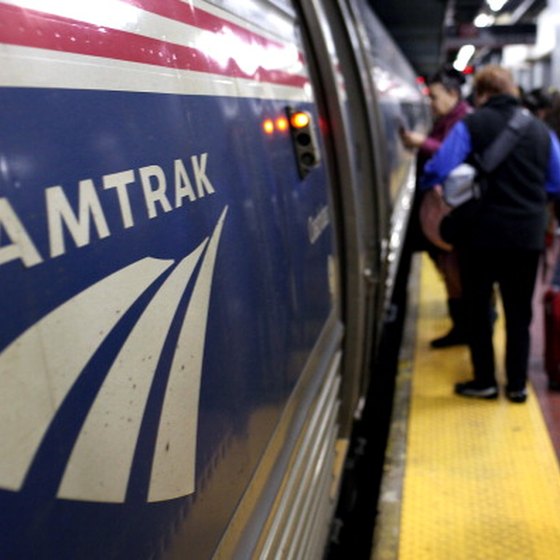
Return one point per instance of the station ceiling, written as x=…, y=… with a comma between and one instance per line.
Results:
x=430, y=32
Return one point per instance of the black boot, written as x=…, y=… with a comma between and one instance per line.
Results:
x=458, y=333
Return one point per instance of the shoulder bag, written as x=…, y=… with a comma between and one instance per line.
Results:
x=466, y=185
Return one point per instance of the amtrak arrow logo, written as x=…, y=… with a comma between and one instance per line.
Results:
x=39, y=368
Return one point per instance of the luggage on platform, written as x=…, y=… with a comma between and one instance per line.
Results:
x=551, y=302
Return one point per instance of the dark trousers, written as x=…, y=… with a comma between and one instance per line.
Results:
x=515, y=273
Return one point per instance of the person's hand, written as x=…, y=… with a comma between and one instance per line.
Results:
x=412, y=139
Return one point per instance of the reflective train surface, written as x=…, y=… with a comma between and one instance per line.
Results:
x=202, y=208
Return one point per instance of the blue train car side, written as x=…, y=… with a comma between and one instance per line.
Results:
x=201, y=211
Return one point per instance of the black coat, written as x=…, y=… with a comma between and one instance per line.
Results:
x=514, y=210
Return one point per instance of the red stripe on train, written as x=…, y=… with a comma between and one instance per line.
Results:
x=31, y=28
x=184, y=12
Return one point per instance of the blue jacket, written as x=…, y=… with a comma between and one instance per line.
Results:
x=513, y=213
x=458, y=146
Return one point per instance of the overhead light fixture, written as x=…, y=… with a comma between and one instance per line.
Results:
x=496, y=5
x=463, y=57
x=484, y=20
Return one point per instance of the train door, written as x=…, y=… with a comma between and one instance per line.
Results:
x=360, y=182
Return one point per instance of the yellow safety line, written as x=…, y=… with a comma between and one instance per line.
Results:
x=481, y=477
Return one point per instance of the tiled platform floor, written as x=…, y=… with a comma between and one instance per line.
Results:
x=443, y=477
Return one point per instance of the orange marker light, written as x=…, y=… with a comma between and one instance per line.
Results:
x=281, y=124
x=268, y=126
x=299, y=120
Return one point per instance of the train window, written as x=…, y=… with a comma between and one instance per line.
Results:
x=401, y=102
x=274, y=16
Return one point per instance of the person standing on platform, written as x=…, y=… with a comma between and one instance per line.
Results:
x=448, y=107
x=504, y=238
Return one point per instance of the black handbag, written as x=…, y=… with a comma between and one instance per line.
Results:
x=456, y=227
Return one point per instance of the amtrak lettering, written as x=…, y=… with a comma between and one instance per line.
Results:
x=161, y=194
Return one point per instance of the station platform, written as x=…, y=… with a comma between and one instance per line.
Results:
x=466, y=478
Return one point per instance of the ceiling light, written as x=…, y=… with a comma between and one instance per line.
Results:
x=496, y=5
x=484, y=20
x=463, y=56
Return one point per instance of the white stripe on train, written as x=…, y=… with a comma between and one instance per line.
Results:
x=40, y=68
x=46, y=372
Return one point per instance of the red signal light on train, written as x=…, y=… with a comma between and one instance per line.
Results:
x=281, y=124
x=304, y=139
x=268, y=126
x=300, y=119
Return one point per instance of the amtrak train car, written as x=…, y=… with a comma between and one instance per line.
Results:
x=202, y=204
